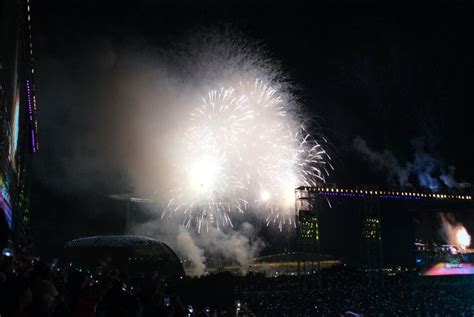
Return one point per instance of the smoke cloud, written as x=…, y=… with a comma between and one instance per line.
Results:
x=241, y=246
x=384, y=161
x=428, y=171
x=189, y=250
x=235, y=246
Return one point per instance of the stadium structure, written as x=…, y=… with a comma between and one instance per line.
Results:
x=19, y=128
x=367, y=227
x=364, y=227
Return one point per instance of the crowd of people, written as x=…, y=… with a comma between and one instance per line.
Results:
x=30, y=287
x=345, y=289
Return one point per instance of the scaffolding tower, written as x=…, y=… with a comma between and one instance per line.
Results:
x=307, y=242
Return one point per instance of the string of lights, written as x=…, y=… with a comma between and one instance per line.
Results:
x=351, y=192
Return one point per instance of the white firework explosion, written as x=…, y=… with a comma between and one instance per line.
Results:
x=245, y=149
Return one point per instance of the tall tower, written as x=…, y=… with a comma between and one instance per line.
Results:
x=371, y=234
x=307, y=220
x=371, y=248
x=18, y=127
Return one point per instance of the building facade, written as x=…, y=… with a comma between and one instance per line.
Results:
x=18, y=128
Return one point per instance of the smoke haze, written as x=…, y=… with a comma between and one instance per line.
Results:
x=237, y=246
x=428, y=171
x=188, y=249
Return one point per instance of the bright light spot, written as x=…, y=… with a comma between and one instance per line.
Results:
x=289, y=197
x=204, y=173
x=463, y=238
x=288, y=185
x=265, y=196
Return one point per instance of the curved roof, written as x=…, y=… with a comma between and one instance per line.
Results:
x=135, y=253
x=125, y=241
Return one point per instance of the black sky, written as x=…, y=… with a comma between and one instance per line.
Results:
x=387, y=74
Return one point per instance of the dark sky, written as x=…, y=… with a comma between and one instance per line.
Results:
x=387, y=74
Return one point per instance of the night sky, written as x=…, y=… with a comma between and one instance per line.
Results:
x=390, y=75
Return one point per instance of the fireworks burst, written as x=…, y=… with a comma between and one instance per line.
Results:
x=245, y=149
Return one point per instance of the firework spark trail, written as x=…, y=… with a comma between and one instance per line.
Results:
x=245, y=150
